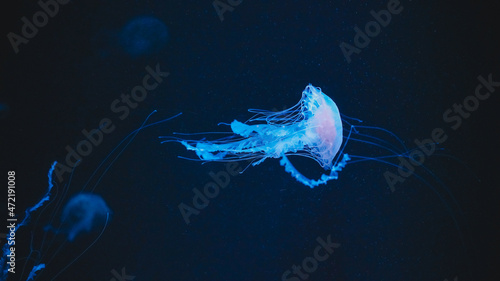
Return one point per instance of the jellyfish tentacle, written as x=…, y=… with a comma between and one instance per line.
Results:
x=310, y=182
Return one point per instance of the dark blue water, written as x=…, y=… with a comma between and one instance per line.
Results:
x=422, y=73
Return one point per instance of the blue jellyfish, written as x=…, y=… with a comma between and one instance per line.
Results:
x=84, y=214
x=312, y=128
x=143, y=35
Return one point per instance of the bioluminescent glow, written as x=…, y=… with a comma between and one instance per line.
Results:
x=312, y=128
x=83, y=213
x=69, y=216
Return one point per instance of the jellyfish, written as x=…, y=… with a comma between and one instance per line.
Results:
x=67, y=221
x=315, y=129
x=83, y=213
x=312, y=128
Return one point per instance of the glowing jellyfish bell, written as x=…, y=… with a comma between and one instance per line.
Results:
x=312, y=128
x=323, y=125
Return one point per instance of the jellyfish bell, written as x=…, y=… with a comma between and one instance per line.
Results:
x=324, y=125
x=313, y=128
x=84, y=213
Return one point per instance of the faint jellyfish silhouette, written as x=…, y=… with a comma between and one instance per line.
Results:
x=143, y=35
x=83, y=213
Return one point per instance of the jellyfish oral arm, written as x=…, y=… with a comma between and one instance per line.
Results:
x=310, y=182
x=259, y=141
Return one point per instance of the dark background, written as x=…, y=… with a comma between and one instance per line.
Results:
x=262, y=55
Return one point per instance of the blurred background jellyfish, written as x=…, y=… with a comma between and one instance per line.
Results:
x=83, y=213
x=139, y=37
x=143, y=35
x=65, y=219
